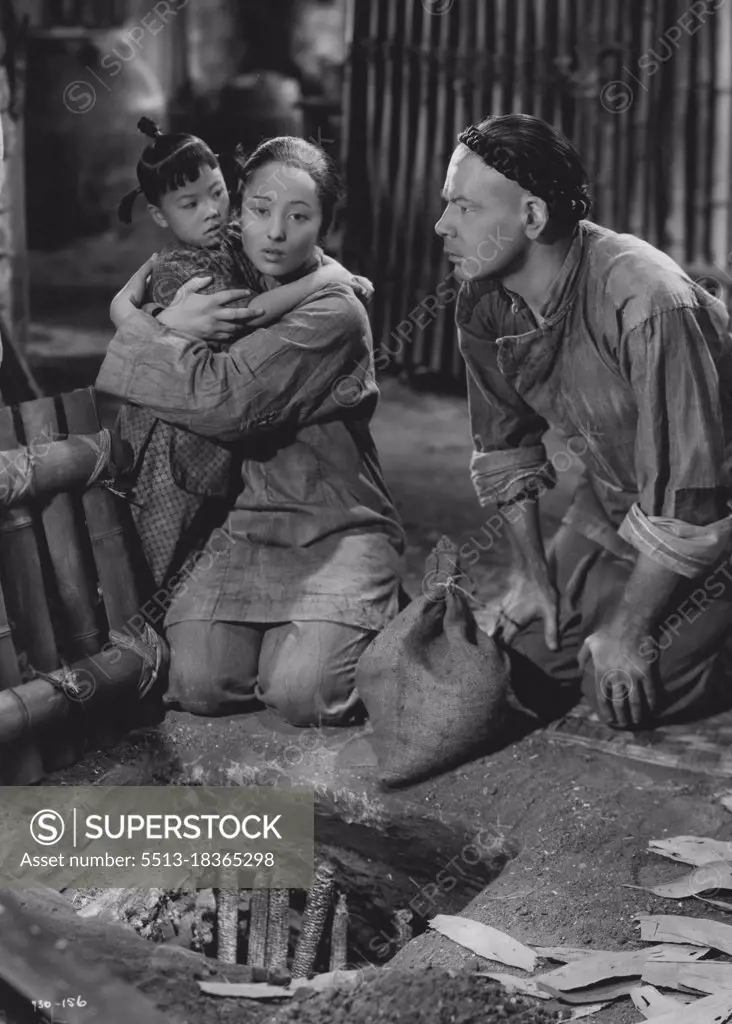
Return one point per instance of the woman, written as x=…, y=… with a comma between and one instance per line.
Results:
x=310, y=570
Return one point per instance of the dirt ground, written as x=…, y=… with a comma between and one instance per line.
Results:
x=578, y=821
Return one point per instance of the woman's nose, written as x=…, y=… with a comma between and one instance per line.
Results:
x=276, y=230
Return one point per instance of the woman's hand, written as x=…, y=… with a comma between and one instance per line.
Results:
x=208, y=317
x=131, y=295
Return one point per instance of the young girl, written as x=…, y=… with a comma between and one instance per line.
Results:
x=180, y=482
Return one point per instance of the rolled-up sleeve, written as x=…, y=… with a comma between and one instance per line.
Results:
x=509, y=459
x=309, y=367
x=681, y=519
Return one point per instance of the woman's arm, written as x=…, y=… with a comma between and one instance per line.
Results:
x=285, y=376
x=208, y=317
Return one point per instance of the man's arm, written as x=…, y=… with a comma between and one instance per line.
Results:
x=286, y=375
x=509, y=469
x=680, y=525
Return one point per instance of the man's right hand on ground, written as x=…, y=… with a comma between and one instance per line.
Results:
x=523, y=600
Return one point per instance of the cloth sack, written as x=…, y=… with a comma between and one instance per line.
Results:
x=436, y=687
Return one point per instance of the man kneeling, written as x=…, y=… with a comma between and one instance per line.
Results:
x=567, y=325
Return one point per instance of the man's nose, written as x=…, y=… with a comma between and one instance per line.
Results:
x=442, y=227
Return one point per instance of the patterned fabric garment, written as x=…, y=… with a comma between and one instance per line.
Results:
x=180, y=480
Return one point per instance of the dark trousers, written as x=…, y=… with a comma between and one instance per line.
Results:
x=689, y=650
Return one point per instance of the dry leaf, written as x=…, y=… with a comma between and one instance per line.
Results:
x=609, y=991
x=652, y=1003
x=720, y=904
x=485, y=941
x=701, y=879
x=676, y=953
x=568, y=954
x=334, y=979
x=710, y=1010
x=594, y=970
x=694, y=850
x=245, y=990
x=699, y=931
x=525, y=986
x=587, y=1011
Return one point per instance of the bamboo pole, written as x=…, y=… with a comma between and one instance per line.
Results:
x=21, y=574
x=109, y=536
x=677, y=126
x=44, y=468
x=444, y=137
x=418, y=222
x=38, y=711
x=75, y=585
x=720, y=235
x=402, y=181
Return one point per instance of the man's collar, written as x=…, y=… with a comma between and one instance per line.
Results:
x=561, y=290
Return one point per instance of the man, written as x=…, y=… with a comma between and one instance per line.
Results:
x=603, y=338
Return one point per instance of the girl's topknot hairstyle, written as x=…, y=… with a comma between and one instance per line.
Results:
x=296, y=152
x=168, y=162
x=538, y=158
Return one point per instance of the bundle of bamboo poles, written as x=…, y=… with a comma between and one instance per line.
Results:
x=47, y=466
x=72, y=670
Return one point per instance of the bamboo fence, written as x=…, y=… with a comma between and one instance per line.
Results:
x=75, y=666
x=643, y=88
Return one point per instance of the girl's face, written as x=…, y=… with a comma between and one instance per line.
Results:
x=197, y=211
x=281, y=218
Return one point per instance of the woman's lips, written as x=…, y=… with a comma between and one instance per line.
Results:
x=273, y=255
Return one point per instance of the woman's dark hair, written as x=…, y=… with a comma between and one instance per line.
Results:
x=169, y=162
x=539, y=159
x=287, y=149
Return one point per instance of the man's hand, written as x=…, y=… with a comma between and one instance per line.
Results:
x=208, y=317
x=524, y=600
x=626, y=692
x=131, y=295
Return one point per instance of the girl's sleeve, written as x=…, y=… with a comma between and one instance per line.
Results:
x=313, y=365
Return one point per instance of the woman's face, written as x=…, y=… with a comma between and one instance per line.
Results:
x=281, y=219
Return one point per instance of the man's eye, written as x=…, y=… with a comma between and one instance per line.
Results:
x=188, y=206
x=259, y=209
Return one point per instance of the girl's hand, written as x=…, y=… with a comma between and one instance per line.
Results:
x=208, y=317
x=333, y=272
x=131, y=295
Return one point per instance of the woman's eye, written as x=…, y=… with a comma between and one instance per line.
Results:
x=299, y=216
x=259, y=209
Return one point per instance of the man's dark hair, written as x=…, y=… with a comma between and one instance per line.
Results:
x=539, y=159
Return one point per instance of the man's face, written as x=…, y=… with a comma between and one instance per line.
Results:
x=483, y=225
x=197, y=211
